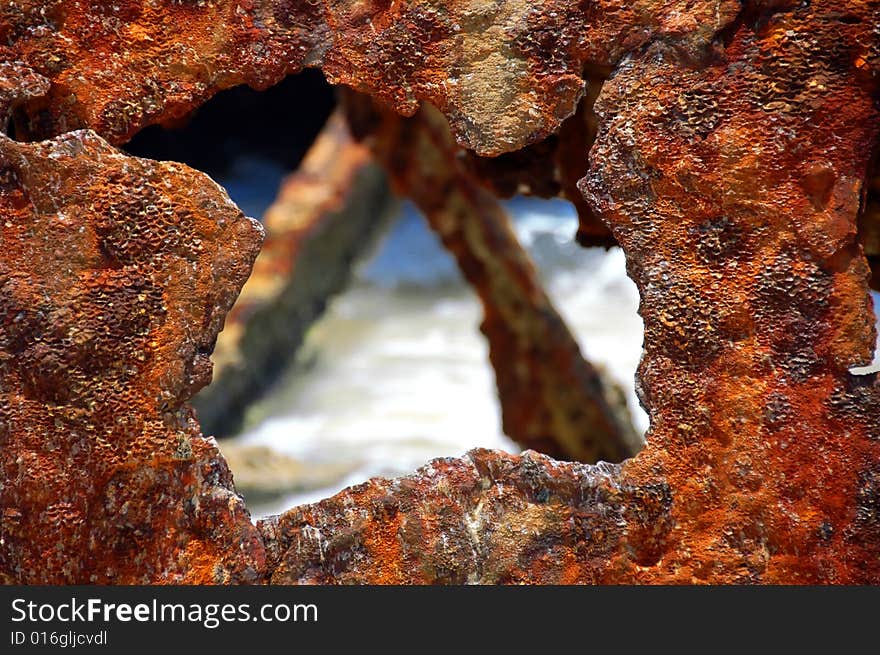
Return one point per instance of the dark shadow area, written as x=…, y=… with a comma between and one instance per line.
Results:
x=869, y=219
x=244, y=139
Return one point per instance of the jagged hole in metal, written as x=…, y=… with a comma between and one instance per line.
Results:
x=240, y=126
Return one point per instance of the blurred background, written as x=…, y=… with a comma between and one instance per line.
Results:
x=395, y=372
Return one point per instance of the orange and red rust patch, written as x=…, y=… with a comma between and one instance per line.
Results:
x=115, y=276
x=734, y=188
x=729, y=164
x=506, y=73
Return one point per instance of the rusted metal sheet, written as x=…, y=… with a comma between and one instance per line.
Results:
x=505, y=73
x=734, y=187
x=115, y=276
x=486, y=518
x=731, y=171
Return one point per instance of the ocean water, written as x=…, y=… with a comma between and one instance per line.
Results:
x=396, y=373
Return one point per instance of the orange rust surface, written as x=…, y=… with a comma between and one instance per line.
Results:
x=485, y=518
x=552, y=399
x=18, y=84
x=505, y=73
x=734, y=187
x=115, y=275
x=730, y=171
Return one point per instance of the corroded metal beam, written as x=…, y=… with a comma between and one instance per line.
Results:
x=552, y=399
x=326, y=215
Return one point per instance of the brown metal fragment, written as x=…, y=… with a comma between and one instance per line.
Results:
x=553, y=167
x=487, y=518
x=734, y=188
x=115, y=276
x=505, y=73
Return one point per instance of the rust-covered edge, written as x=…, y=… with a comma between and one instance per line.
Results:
x=115, y=276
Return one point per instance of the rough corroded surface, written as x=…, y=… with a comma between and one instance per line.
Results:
x=18, y=84
x=325, y=216
x=734, y=188
x=734, y=191
x=115, y=275
x=486, y=518
x=552, y=399
x=506, y=73
x=553, y=167
x=731, y=176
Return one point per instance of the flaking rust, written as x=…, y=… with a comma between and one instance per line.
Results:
x=734, y=187
x=115, y=276
x=505, y=73
x=729, y=163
